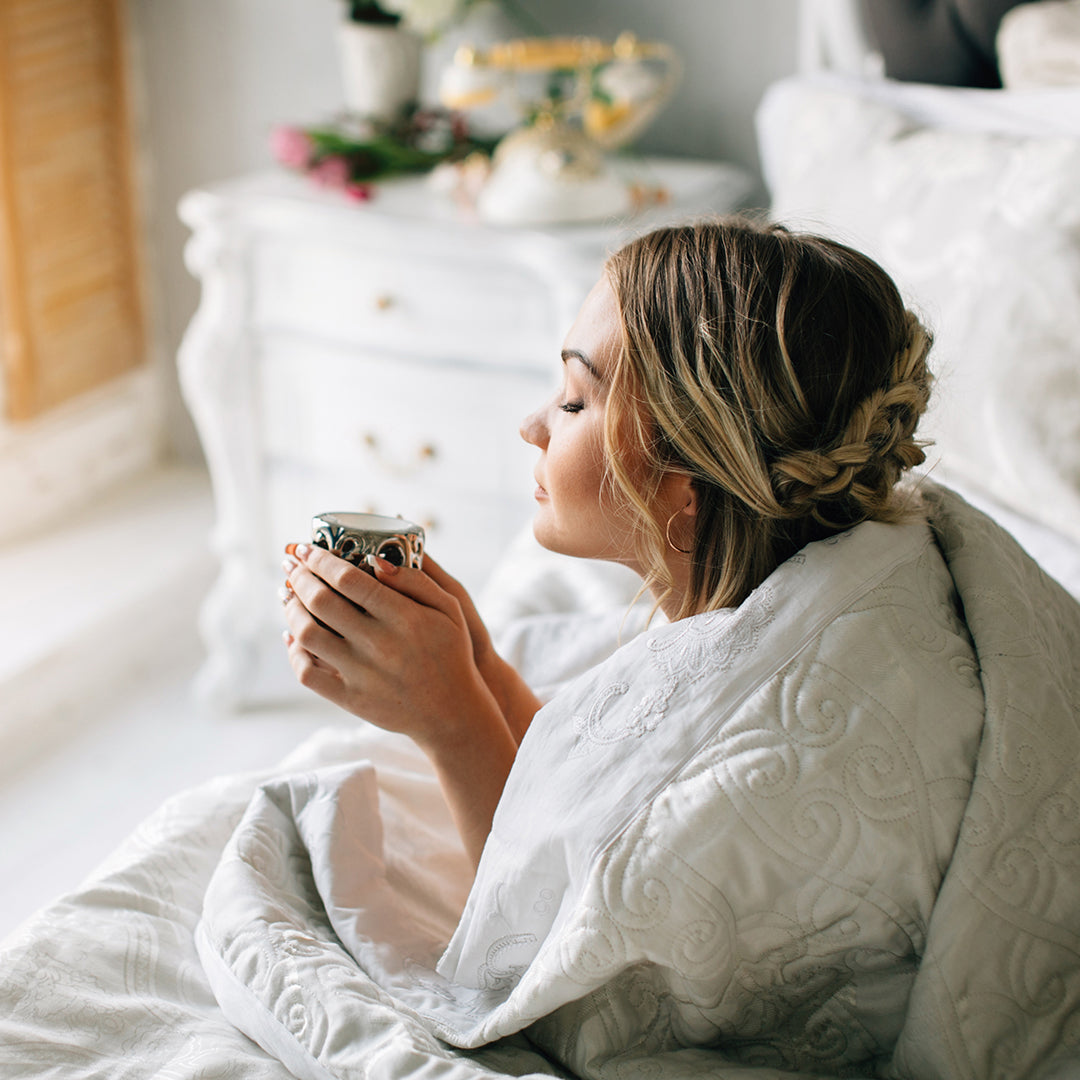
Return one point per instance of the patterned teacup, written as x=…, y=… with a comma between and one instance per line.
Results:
x=355, y=536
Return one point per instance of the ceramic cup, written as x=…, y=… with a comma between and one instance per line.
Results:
x=355, y=536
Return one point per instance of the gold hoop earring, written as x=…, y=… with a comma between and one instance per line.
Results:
x=667, y=535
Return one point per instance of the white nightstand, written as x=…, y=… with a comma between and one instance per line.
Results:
x=375, y=357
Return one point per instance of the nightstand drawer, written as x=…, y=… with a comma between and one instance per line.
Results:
x=389, y=421
x=462, y=310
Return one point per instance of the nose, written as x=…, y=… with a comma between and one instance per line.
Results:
x=534, y=428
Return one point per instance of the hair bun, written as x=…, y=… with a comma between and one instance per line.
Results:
x=853, y=478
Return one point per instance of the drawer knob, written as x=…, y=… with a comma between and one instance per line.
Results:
x=425, y=452
x=384, y=302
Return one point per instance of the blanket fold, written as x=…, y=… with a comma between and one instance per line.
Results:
x=807, y=834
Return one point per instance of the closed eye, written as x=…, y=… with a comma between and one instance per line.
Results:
x=572, y=406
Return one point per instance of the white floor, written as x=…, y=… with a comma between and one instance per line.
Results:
x=62, y=814
x=94, y=734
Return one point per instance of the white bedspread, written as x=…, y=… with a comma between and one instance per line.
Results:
x=834, y=831
x=718, y=891
x=106, y=983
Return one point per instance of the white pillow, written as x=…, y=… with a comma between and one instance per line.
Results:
x=981, y=231
x=1039, y=44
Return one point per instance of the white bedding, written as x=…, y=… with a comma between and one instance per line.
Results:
x=106, y=981
x=705, y=889
x=751, y=840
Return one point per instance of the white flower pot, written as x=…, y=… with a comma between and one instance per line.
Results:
x=380, y=67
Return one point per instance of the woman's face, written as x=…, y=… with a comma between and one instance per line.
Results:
x=576, y=511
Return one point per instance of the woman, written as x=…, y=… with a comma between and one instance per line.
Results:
x=785, y=827
x=729, y=395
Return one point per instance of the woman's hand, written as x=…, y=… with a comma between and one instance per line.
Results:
x=393, y=648
x=482, y=648
x=396, y=649
x=516, y=701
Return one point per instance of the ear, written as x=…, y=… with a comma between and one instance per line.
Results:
x=679, y=493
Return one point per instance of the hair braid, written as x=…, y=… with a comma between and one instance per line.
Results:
x=863, y=464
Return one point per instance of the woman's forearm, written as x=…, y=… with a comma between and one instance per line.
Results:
x=516, y=701
x=472, y=762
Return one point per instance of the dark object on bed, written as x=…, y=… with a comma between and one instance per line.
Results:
x=948, y=42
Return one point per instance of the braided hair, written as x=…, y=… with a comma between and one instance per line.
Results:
x=780, y=371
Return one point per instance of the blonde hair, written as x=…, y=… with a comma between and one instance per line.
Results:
x=782, y=373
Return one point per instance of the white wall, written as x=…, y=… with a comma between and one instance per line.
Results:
x=217, y=75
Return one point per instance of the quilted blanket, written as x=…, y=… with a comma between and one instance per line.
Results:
x=105, y=982
x=835, y=831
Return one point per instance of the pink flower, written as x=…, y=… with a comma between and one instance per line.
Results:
x=359, y=192
x=291, y=146
x=331, y=172
x=459, y=127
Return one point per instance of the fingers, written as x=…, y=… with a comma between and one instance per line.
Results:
x=313, y=673
x=382, y=594
x=345, y=579
x=332, y=610
x=310, y=632
x=441, y=577
x=477, y=630
x=319, y=618
x=308, y=657
x=417, y=585
x=447, y=583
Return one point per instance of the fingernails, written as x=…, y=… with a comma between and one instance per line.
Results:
x=376, y=562
x=286, y=637
x=299, y=550
x=285, y=593
x=289, y=564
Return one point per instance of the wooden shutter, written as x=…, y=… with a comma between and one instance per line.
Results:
x=70, y=298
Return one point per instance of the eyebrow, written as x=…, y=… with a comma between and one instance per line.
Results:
x=577, y=354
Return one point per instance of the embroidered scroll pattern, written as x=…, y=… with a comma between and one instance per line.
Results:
x=769, y=914
x=683, y=654
x=776, y=904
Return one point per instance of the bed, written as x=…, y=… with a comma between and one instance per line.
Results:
x=972, y=199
